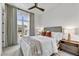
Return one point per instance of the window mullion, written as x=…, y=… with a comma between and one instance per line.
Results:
x=22, y=26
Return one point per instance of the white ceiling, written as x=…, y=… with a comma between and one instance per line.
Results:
x=25, y=6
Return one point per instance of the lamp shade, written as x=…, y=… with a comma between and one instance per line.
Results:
x=68, y=32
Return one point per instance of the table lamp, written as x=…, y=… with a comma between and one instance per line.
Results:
x=69, y=31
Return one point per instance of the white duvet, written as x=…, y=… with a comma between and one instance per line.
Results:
x=30, y=47
x=48, y=45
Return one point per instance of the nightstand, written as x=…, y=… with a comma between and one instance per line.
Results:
x=69, y=46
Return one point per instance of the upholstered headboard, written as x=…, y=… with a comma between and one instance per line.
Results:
x=53, y=29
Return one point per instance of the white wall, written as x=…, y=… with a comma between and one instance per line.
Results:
x=0, y=28
x=62, y=15
x=38, y=20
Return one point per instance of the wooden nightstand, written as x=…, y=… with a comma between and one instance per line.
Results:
x=69, y=46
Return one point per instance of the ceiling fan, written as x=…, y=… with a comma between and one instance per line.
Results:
x=36, y=6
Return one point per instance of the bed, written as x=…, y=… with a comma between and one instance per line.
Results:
x=42, y=45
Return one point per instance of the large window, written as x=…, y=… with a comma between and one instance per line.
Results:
x=22, y=23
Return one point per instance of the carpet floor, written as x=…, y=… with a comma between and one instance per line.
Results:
x=63, y=53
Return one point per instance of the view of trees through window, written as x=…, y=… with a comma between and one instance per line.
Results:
x=22, y=23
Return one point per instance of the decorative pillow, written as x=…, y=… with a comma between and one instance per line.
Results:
x=43, y=33
x=48, y=34
x=52, y=34
x=58, y=36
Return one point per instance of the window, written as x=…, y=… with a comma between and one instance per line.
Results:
x=23, y=23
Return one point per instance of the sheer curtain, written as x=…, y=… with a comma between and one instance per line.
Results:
x=11, y=26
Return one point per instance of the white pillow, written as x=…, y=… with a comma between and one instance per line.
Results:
x=57, y=36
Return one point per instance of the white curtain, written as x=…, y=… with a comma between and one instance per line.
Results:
x=11, y=25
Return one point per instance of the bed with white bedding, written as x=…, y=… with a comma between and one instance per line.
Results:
x=48, y=45
x=30, y=47
x=45, y=46
x=40, y=45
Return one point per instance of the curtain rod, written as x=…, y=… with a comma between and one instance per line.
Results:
x=19, y=8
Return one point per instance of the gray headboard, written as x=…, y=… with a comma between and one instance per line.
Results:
x=53, y=29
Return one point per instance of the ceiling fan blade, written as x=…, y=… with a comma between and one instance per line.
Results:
x=40, y=8
x=36, y=6
x=31, y=7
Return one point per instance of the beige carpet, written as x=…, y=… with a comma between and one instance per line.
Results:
x=63, y=53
